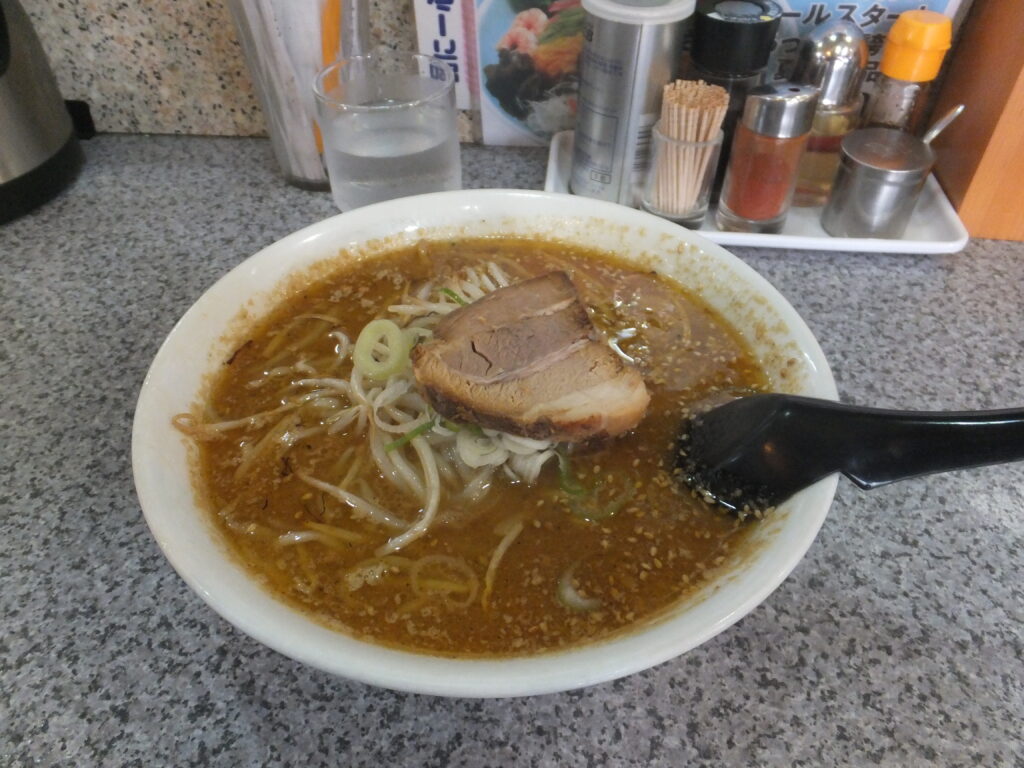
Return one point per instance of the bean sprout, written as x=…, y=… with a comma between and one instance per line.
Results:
x=367, y=388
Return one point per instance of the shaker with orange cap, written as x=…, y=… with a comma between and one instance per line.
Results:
x=911, y=59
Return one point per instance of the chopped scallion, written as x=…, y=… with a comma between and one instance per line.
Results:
x=567, y=479
x=589, y=507
x=394, y=357
x=454, y=296
x=409, y=436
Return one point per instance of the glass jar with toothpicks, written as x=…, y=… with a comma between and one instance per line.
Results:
x=685, y=144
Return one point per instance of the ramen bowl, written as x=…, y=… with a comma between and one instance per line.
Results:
x=201, y=341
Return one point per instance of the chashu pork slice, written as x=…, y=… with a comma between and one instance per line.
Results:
x=526, y=360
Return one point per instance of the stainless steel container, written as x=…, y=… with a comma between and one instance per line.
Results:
x=39, y=154
x=631, y=49
x=881, y=172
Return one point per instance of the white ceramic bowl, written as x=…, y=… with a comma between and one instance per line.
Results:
x=194, y=347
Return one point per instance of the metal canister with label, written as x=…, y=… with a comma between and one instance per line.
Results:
x=631, y=49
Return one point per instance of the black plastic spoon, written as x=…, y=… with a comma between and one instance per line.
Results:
x=757, y=451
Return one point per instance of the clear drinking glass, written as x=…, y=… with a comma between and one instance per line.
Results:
x=678, y=185
x=388, y=127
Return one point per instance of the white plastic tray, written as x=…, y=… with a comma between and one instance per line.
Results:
x=934, y=226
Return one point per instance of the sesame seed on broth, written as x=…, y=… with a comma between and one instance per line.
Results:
x=626, y=544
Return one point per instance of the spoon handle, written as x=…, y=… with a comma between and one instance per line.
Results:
x=942, y=123
x=874, y=446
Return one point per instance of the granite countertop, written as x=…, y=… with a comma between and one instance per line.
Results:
x=897, y=640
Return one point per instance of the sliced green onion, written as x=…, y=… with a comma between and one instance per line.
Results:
x=585, y=503
x=394, y=360
x=409, y=436
x=589, y=507
x=454, y=296
x=567, y=479
x=415, y=333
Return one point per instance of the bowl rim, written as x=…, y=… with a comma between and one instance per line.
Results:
x=224, y=585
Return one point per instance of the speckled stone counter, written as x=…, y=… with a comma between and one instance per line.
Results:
x=170, y=66
x=897, y=640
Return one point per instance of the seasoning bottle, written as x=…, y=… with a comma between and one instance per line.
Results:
x=766, y=150
x=880, y=177
x=630, y=50
x=732, y=43
x=832, y=59
x=881, y=174
x=911, y=59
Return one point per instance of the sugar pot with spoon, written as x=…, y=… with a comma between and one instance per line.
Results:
x=881, y=173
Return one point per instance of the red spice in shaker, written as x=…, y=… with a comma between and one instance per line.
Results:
x=766, y=152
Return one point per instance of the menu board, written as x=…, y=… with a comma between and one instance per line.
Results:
x=517, y=60
x=446, y=29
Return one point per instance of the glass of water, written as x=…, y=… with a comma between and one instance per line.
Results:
x=388, y=127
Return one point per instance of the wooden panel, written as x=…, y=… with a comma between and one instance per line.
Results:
x=981, y=156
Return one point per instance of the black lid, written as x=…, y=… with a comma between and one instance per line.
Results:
x=734, y=37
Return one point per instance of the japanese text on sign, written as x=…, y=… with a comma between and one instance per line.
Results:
x=440, y=33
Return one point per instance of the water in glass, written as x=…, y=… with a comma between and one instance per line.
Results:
x=378, y=156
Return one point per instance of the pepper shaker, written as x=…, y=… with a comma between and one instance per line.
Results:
x=766, y=151
x=732, y=45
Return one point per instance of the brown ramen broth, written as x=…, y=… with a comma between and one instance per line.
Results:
x=602, y=539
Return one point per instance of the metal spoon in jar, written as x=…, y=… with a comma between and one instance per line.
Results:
x=755, y=452
x=942, y=123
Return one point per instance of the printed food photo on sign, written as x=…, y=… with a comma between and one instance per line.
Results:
x=529, y=57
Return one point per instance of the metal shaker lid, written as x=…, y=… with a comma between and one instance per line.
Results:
x=833, y=58
x=782, y=110
x=640, y=11
x=888, y=154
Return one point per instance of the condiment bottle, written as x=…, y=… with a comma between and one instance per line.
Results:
x=832, y=59
x=911, y=59
x=881, y=174
x=732, y=43
x=766, y=150
x=630, y=50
